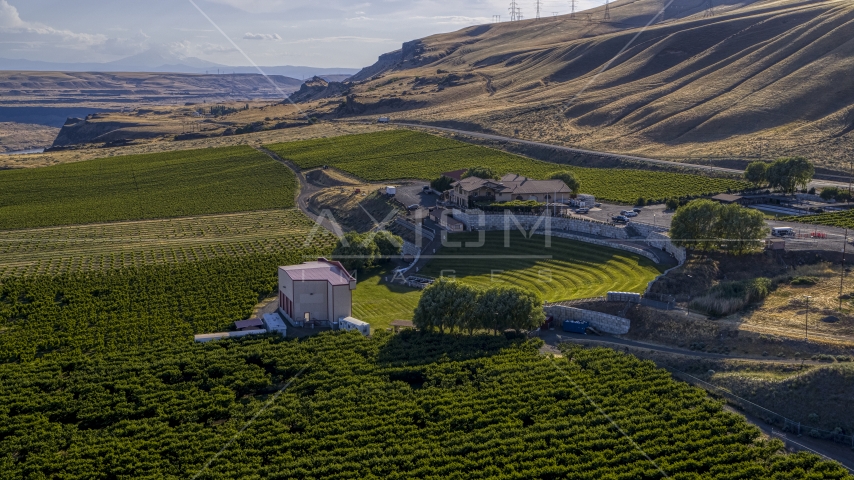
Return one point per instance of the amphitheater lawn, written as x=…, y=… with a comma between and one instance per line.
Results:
x=379, y=303
x=158, y=185
x=399, y=154
x=567, y=270
x=81, y=248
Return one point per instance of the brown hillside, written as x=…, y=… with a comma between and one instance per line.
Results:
x=765, y=75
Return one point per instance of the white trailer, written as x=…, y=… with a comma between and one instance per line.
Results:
x=350, y=323
x=390, y=191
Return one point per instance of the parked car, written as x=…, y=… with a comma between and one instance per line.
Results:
x=425, y=188
x=583, y=211
x=636, y=210
x=413, y=207
x=619, y=219
x=628, y=213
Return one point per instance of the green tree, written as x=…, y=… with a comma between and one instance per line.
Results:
x=569, y=179
x=388, y=244
x=755, y=172
x=445, y=304
x=481, y=172
x=502, y=307
x=829, y=193
x=741, y=228
x=790, y=174
x=356, y=251
x=695, y=225
x=672, y=203
x=442, y=183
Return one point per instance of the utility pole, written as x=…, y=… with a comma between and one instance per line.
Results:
x=572, y=8
x=539, y=4
x=842, y=273
x=709, y=11
x=807, y=319
x=607, y=10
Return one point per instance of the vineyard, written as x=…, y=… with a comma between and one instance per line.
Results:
x=844, y=219
x=158, y=185
x=395, y=407
x=106, y=311
x=399, y=154
x=78, y=248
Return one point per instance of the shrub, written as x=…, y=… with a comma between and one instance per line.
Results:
x=672, y=203
x=640, y=202
x=804, y=281
x=729, y=297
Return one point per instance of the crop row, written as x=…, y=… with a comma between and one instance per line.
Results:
x=844, y=219
x=400, y=154
x=405, y=406
x=157, y=185
x=117, y=245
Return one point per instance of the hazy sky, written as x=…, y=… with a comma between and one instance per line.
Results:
x=320, y=33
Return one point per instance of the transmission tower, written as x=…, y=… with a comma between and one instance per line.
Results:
x=572, y=8
x=608, y=10
x=709, y=11
x=496, y=19
x=539, y=4
x=514, y=10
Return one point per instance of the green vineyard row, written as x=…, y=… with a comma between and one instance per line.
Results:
x=392, y=407
x=80, y=248
x=400, y=154
x=157, y=185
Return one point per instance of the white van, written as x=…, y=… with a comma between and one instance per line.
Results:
x=783, y=232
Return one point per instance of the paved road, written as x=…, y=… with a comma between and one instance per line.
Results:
x=616, y=156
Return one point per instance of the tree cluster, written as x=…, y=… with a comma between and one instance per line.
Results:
x=442, y=183
x=450, y=305
x=569, y=179
x=357, y=251
x=706, y=225
x=835, y=193
x=481, y=172
x=788, y=174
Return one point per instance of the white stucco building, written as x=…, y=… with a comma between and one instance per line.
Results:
x=318, y=291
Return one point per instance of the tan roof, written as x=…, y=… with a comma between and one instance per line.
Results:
x=726, y=197
x=515, y=185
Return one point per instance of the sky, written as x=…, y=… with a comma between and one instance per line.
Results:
x=317, y=33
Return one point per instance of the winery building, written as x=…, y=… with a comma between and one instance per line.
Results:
x=315, y=292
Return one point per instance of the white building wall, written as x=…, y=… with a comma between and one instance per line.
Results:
x=311, y=297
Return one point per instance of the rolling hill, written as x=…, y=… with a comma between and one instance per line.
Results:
x=753, y=78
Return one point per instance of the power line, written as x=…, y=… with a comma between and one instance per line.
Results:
x=539, y=3
x=572, y=8
x=608, y=10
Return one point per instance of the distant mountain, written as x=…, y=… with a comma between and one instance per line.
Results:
x=155, y=61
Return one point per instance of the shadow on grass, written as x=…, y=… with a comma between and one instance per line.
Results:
x=419, y=348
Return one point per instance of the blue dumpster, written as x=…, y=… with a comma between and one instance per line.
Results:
x=575, y=327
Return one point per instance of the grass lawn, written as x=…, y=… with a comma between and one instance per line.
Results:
x=564, y=271
x=379, y=303
x=137, y=187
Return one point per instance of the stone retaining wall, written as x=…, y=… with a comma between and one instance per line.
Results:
x=600, y=321
x=479, y=220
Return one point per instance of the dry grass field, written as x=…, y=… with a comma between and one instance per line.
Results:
x=15, y=137
x=763, y=77
x=168, y=144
